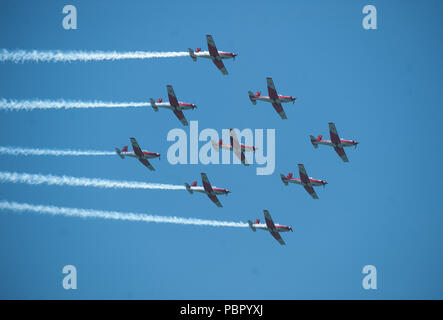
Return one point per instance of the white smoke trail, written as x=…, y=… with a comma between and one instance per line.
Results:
x=11, y=105
x=17, y=56
x=113, y=215
x=37, y=179
x=16, y=151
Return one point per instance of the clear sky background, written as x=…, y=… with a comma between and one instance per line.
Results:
x=381, y=87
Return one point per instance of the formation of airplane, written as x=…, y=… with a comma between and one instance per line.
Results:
x=173, y=105
x=275, y=99
x=304, y=180
x=235, y=146
x=274, y=229
x=138, y=153
x=216, y=56
x=208, y=189
x=334, y=142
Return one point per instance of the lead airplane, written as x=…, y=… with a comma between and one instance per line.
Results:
x=273, y=98
x=235, y=146
x=216, y=56
x=274, y=229
x=305, y=181
x=173, y=105
x=335, y=142
x=211, y=191
x=138, y=153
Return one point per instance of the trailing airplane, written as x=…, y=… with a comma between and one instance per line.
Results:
x=173, y=105
x=274, y=229
x=216, y=56
x=138, y=153
x=307, y=182
x=273, y=98
x=335, y=142
x=211, y=191
x=235, y=146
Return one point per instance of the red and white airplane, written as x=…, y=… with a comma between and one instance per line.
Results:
x=307, y=182
x=211, y=191
x=173, y=105
x=274, y=229
x=335, y=142
x=235, y=146
x=138, y=153
x=273, y=98
x=216, y=56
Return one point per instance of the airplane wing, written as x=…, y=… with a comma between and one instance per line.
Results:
x=215, y=200
x=311, y=191
x=341, y=152
x=146, y=163
x=209, y=191
x=179, y=114
x=237, y=148
x=271, y=226
x=269, y=222
x=219, y=64
x=172, y=97
x=214, y=53
x=277, y=237
x=136, y=148
x=271, y=89
x=334, y=134
x=211, y=46
x=303, y=175
x=280, y=111
x=273, y=95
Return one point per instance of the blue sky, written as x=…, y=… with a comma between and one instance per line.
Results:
x=381, y=87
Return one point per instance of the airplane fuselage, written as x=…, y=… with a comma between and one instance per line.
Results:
x=281, y=99
x=215, y=189
x=181, y=106
x=312, y=182
x=343, y=143
x=221, y=55
x=263, y=226
x=243, y=147
x=146, y=154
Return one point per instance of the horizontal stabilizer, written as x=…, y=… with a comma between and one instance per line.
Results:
x=153, y=105
x=252, y=98
x=251, y=225
x=283, y=178
x=192, y=54
x=314, y=142
x=188, y=187
x=119, y=153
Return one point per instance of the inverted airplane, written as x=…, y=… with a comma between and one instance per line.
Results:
x=305, y=181
x=274, y=229
x=216, y=56
x=235, y=146
x=335, y=142
x=211, y=191
x=273, y=98
x=141, y=155
x=173, y=105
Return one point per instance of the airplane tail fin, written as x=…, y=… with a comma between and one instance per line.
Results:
x=251, y=225
x=252, y=98
x=283, y=178
x=188, y=187
x=215, y=145
x=153, y=105
x=192, y=54
x=119, y=152
x=314, y=142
